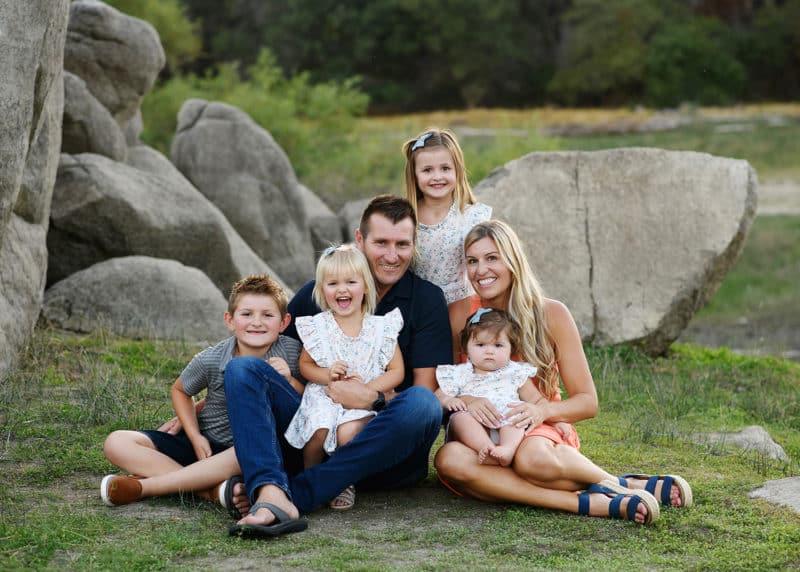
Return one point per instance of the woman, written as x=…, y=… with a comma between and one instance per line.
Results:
x=548, y=468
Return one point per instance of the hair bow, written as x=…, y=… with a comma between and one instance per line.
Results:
x=420, y=142
x=328, y=251
x=476, y=317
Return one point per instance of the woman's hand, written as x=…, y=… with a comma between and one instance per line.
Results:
x=523, y=414
x=455, y=404
x=483, y=410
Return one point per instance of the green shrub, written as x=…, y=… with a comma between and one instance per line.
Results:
x=693, y=61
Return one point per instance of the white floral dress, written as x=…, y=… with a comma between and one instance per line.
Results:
x=501, y=387
x=441, y=249
x=367, y=354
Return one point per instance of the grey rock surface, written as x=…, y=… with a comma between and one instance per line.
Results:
x=324, y=224
x=32, y=36
x=350, y=217
x=138, y=297
x=103, y=209
x=238, y=166
x=118, y=56
x=88, y=127
x=784, y=492
x=752, y=438
x=634, y=241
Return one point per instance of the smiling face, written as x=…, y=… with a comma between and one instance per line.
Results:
x=435, y=172
x=389, y=249
x=488, y=273
x=344, y=293
x=256, y=323
x=489, y=351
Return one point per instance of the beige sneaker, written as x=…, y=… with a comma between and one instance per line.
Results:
x=117, y=490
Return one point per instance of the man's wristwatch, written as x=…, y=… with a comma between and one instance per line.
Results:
x=379, y=403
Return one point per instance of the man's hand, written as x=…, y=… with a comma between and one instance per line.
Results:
x=351, y=395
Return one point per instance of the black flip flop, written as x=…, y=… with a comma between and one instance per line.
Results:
x=284, y=524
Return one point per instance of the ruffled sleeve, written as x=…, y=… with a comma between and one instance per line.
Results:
x=474, y=214
x=521, y=372
x=312, y=332
x=451, y=378
x=392, y=323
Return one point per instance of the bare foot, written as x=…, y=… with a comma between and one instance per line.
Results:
x=240, y=500
x=674, y=493
x=485, y=456
x=503, y=454
x=274, y=495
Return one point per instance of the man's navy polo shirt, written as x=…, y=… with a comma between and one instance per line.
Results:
x=425, y=340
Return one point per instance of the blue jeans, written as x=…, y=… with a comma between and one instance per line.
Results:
x=390, y=452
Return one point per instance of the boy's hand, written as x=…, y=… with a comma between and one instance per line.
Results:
x=338, y=370
x=201, y=447
x=280, y=365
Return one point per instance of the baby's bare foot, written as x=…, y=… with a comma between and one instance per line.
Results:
x=504, y=455
x=485, y=456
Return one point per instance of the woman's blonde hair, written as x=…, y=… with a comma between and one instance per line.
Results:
x=343, y=260
x=428, y=139
x=526, y=301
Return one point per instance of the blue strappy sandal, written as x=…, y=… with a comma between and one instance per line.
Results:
x=669, y=481
x=617, y=494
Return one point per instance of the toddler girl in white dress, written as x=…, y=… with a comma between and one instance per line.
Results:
x=489, y=339
x=344, y=342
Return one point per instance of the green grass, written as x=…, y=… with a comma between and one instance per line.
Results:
x=71, y=391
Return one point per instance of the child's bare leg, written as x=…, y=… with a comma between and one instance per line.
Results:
x=198, y=476
x=510, y=438
x=135, y=453
x=314, y=451
x=347, y=431
x=468, y=430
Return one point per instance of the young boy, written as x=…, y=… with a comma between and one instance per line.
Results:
x=257, y=314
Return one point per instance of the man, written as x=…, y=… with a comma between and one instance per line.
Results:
x=392, y=450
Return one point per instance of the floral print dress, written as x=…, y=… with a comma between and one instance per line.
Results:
x=441, y=250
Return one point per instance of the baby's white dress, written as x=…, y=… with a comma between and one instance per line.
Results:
x=501, y=387
x=367, y=354
x=441, y=250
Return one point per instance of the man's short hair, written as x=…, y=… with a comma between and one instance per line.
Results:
x=261, y=284
x=392, y=207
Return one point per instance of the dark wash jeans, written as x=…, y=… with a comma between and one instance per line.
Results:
x=390, y=452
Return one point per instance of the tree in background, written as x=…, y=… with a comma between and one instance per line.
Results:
x=602, y=56
x=693, y=61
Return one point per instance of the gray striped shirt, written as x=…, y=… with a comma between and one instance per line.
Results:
x=206, y=371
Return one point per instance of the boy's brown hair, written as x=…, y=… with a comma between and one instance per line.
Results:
x=260, y=284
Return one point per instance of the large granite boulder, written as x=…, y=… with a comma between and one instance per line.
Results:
x=103, y=209
x=32, y=35
x=118, y=56
x=88, y=127
x=350, y=217
x=325, y=225
x=240, y=168
x=634, y=241
x=138, y=297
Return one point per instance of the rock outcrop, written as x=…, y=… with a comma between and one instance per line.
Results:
x=88, y=127
x=325, y=226
x=32, y=35
x=139, y=297
x=103, y=209
x=239, y=167
x=118, y=56
x=634, y=241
